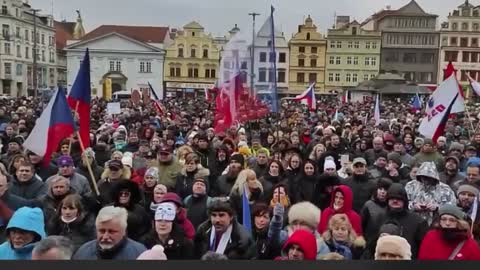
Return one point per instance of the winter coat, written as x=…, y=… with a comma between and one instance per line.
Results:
x=15, y=202
x=432, y=157
x=224, y=185
x=305, y=187
x=207, y=157
x=127, y=249
x=323, y=190
x=79, y=231
x=28, y=219
x=184, y=181
x=176, y=247
x=372, y=216
x=185, y=223
x=434, y=247
x=362, y=187
x=372, y=155
x=196, y=207
x=353, y=217
x=168, y=173
x=78, y=182
x=236, y=201
x=452, y=179
x=240, y=246
x=44, y=172
x=33, y=189
x=260, y=170
x=97, y=173
x=268, y=182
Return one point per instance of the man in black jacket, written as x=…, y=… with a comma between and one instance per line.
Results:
x=26, y=185
x=412, y=226
x=360, y=183
x=223, y=234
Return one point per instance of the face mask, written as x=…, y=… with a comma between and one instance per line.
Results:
x=120, y=145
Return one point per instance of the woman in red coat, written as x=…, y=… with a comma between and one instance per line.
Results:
x=341, y=203
x=450, y=238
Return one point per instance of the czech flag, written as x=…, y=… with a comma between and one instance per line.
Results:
x=156, y=101
x=309, y=97
x=79, y=99
x=55, y=124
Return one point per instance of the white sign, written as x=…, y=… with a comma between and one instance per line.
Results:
x=113, y=108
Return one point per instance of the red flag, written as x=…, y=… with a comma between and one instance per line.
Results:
x=449, y=71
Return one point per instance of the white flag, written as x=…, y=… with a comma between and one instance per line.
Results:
x=475, y=85
x=377, y=111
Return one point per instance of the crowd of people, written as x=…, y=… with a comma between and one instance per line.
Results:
x=320, y=185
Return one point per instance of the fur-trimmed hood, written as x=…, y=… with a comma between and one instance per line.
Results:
x=126, y=173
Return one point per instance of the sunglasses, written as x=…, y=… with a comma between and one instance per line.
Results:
x=125, y=193
x=114, y=169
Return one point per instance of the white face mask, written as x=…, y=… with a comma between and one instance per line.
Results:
x=68, y=221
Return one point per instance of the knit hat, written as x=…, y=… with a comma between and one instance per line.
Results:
x=390, y=228
x=468, y=188
x=65, y=161
x=454, y=158
x=450, y=209
x=153, y=172
x=456, y=146
x=329, y=164
x=393, y=244
x=395, y=157
x=238, y=158
x=306, y=212
x=156, y=253
x=127, y=161
x=428, y=141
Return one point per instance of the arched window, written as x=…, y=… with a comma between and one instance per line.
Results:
x=464, y=26
x=308, y=36
x=454, y=26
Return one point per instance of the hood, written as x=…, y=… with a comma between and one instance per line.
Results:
x=29, y=219
x=347, y=198
x=428, y=169
x=397, y=191
x=126, y=173
x=131, y=186
x=307, y=242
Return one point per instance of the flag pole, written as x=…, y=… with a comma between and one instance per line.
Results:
x=76, y=113
x=89, y=167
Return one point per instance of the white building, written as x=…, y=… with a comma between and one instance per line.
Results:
x=262, y=64
x=17, y=52
x=131, y=56
x=460, y=42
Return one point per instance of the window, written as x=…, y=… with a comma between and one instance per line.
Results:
x=338, y=60
x=301, y=49
x=332, y=60
x=27, y=52
x=365, y=77
x=453, y=41
x=350, y=44
x=355, y=60
x=355, y=77
x=43, y=56
x=262, y=75
x=474, y=42
x=172, y=72
x=475, y=26
x=337, y=77
x=145, y=67
x=6, y=31
x=193, y=53
x=372, y=76
x=205, y=53
x=282, y=57
x=367, y=45
x=195, y=72
x=463, y=42
x=410, y=58
x=4, y=10
x=367, y=61
x=19, y=69
x=281, y=76
x=17, y=32
x=43, y=39
x=180, y=52
x=314, y=50
x=19, y=52
x=8, y=68
x=426, y=77
x=301, y=62
x=454, y=26
x=348, y=77
x=112, y=66
x=427, y=58
x=357, y=44
x=464, y=26
x=330, y=77
x=301, y=77
x=210, y=73
x=349, y=60
x=308, y=36
x=7, y=48
x=354, y=31
x=207, y=73
x=374, y=45
x=118, y=65
x=333, y=44
x=339, y=44
x=474, y=56
x=313, y=62
x=451, y=56
x=312, y=77
x=263, y=57
x=142, y=67
x=26, y=34
x=373, y=61
x=193, y=34
x=475, y=13
x=149, y=67
x=465, y=57
x=244, y=65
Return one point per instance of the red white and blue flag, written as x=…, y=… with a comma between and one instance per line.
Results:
x=80, y=97
x=308, y=96
x=55, y=124
x=157, y=103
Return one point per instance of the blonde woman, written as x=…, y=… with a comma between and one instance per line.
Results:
x=246, y=182
x=342, y=239
x=317, y=152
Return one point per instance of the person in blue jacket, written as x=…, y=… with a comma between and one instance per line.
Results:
x=24, y=230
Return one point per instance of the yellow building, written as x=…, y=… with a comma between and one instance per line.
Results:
x=307, y=59
x=192, y=61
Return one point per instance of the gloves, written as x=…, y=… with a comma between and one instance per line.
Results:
x=278, y=211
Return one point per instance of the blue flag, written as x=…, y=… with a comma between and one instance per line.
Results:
x=417, y=104
x=247, y=219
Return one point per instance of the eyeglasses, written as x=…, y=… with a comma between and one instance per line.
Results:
x=125, y=193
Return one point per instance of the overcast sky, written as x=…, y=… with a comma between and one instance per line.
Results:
x=219, y=16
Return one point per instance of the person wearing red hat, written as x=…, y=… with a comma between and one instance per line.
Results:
x=181, y=216
x=301, y=245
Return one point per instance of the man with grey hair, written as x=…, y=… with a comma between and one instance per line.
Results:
x=371, y=155
x=112, y=242
x=58, y=188
x=53, y=248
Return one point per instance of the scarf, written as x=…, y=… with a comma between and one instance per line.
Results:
x=222, y=245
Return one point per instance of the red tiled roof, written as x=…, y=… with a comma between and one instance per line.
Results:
x=64, y=31
x=146, y=34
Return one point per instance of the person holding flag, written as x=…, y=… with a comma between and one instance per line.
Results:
x=376, y=114
x=246, y=191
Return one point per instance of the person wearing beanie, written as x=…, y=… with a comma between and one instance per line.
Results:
x=169, y=234
x=306, y=216
x=341, y=203
x=197, y=203
x=192, y=167
x=451, y=175
x=379, y=168
x=329, y=167
x=429, y=153
x=225, y=182
x=392, y=247
x=449, y=238
x=156, y=253
x=204, y=151
x=66, y=168
x=25, y=228
x=467, y=194
x=426, y=194
x=223, y=234
x=150, y=180
x=396, y=170
x=413, y=227
x=405, y=157
x=374, y=209
x=301, y=245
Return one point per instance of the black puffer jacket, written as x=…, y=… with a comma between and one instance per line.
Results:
x=79, y=231
x=33, y=189
x=176, y=247
x=323, y=190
